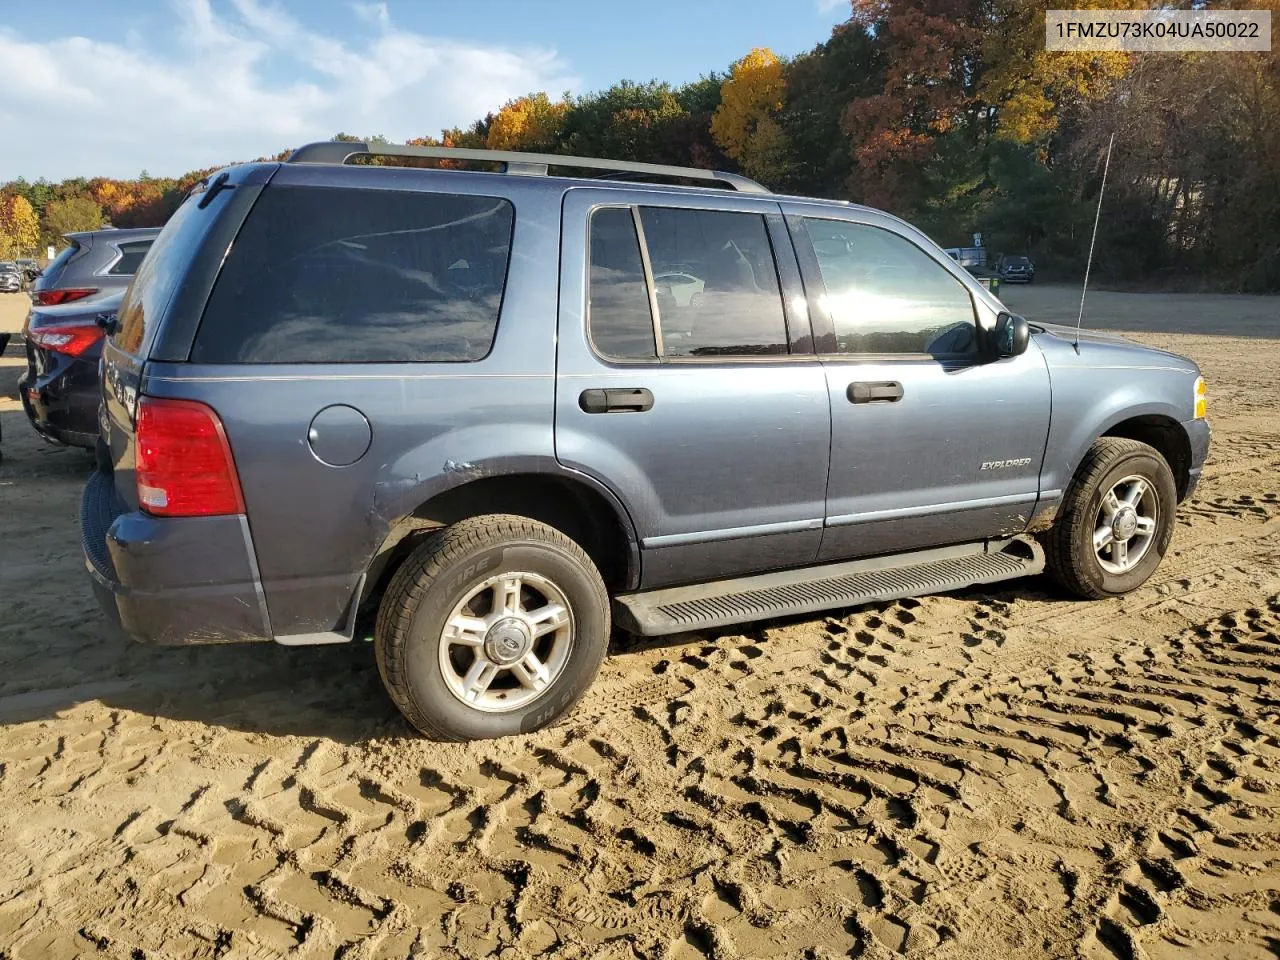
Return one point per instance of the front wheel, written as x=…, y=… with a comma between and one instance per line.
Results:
x=493, y=626
x=1116, y=520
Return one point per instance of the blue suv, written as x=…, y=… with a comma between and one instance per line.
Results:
x=492, y=414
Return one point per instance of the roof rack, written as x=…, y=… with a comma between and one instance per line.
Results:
x=513, y=162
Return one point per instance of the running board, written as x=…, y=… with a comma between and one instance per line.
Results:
x=723, y=602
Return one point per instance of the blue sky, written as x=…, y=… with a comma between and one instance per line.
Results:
x=111, y=88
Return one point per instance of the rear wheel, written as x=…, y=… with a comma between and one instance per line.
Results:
x=1116, y=520
x=493, y=626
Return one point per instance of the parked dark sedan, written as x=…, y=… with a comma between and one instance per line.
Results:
x=60, y=388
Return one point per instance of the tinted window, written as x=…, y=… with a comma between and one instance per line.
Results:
x=886, y=295
x=158, y=275
x=325, y=275
x=717, y=286
x=618, y=301
x=131, y=255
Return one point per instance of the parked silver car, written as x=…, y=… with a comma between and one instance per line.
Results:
x=10, y=277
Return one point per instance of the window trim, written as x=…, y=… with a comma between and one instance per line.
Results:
x=824, y=332
x=661, y=359
x=651, y=289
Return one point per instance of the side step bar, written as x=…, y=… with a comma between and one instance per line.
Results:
x=810, y=589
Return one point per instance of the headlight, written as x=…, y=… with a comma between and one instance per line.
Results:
x=1202, y=403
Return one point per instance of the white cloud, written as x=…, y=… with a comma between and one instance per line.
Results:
x=828, y=6
x=213, y=91
x=373, y=13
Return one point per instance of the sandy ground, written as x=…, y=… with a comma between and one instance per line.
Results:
x=1000, y=774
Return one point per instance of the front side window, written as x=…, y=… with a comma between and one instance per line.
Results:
x=887, y=296
x=347, y=275
x=131, y=255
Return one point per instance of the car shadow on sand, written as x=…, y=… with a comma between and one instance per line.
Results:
x=327, y=692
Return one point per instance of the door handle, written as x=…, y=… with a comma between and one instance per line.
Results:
x=887, y=391
x=616, y=400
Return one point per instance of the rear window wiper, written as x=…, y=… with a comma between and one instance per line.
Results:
x=219, y=183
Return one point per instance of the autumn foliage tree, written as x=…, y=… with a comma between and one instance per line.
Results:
x=71, y=215
x=949, y=112
x=746, y=123
x=19, y=226
x=532, y=123
x=930, y=49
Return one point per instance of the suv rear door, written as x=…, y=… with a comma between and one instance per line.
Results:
x=686, y=380
x=932, y=441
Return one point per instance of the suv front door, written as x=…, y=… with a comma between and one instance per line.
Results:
x=686, y=381
x=933, y=442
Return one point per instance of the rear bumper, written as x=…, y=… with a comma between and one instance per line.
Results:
x=1199, y=433
x=63, y=407
x=171, y=581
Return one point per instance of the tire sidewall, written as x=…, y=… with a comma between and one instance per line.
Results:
x=425, y=682
x=1153, y=469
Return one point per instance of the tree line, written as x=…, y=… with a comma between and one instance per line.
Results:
x=949, y=113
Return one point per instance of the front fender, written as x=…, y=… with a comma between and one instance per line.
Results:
x=1098, y=389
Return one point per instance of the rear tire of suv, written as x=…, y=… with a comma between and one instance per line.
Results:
x=491, y=627
x=1116, y=520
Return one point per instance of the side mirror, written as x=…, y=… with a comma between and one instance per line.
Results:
x=1011, y=335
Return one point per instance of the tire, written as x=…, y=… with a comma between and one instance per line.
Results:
x=1073, y=557
x=429, y=674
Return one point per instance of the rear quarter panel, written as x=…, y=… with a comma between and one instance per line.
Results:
x=434, y=426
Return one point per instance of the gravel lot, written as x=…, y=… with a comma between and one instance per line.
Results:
x=994, y=775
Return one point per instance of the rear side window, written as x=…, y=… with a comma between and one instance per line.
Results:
x=131, y=255
x=715, y=285
x=158, y=275
x=340, y=275
x=620, y=322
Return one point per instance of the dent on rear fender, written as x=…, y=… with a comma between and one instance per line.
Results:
x=456, y=457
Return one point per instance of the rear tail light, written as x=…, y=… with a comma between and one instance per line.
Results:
x=73, y=339
x=51, y=298
x=184, y=462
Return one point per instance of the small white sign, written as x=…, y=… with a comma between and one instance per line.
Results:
x=977, y=239
x=49, y=252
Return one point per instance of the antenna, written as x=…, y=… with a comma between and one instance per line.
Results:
x=1089, y=263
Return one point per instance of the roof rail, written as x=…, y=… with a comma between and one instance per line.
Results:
x=513, y=162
